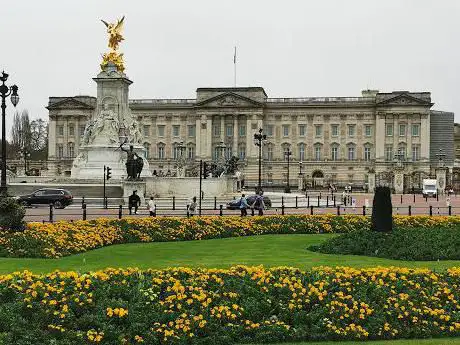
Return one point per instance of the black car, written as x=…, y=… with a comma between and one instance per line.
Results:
x=235, y=204
x=60, y=198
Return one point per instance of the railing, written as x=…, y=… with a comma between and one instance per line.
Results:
x=320, y=100
x=163, y=101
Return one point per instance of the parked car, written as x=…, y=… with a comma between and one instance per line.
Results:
x=60, y=198
x=235, y=204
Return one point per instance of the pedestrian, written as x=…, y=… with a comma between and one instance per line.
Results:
x=192, y=207
x=259, y=203
x=152, y=208
x=133, y=202
x=243, y=205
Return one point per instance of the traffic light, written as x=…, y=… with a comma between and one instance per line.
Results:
x=108, y=173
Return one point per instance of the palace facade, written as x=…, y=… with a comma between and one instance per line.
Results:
x=332, y=139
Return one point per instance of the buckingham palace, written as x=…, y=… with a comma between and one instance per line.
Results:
x=333, y=140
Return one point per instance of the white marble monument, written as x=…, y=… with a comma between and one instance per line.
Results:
x=112, y=125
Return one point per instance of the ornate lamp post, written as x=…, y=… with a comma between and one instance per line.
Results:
x=25, y=153
x=300, y=179
x=6, y=91
x=288, y=154
x=259, y=140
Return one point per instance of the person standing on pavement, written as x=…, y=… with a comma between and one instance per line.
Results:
x=243, y=205
x=259, y=202
x=192, y=207
x=134, y=202
x=152, y=208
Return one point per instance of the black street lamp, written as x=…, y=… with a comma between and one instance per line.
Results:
x=259, y=140
x=25, y=153
x=6, y=91
x=288, y=153
x=300, y=168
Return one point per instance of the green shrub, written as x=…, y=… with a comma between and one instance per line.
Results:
x=421, y=244
x=11, y=215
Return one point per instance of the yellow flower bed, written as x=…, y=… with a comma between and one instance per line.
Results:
x=66, y=238
x=223, y=306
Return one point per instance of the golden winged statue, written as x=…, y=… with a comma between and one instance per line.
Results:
x=115, y=37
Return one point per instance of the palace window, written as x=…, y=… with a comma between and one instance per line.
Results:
x=175, y=130
x=228, y=153
x=71, y=150
x=302, y=130
x=147, y=150
x=285, y=152
x=161, y=130
x=60, y=130
x=318, y=152
x=368, y=130
x=60, y=150
x=402, y=150
x=146, y=130
x=301, y=152
x=415, y=130
x=415, y=153
x=216, y=130
x=229, y=130
x=191, y=152
x=334, y=152
x=161, y=151
x=367, y=153
x=335, y=130
x=318, y=130
x=242, y=152
x=285, y=130
x=82, y=130
x=351, y=130
x=242, y=130
x=191, y=131
x=71, y=130
x=351, y=153
x=402, y=130
x=268, y=130
x=389, y=152
x=389, y=129
x=269, y=151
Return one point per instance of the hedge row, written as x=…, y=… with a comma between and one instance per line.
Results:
x=66, y=238
x=241, y=304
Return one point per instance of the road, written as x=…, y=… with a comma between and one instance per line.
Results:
x=421, y=206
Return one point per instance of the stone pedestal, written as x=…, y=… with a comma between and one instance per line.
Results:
x=300, y=182
x=130, y=186
x=441, y=174
x=398, y=182
x=371, y=182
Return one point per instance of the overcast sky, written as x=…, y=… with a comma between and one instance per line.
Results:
x=290, y=48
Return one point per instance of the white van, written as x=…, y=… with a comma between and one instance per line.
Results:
x=429, y=188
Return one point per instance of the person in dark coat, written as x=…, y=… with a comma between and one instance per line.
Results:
x=134, y=202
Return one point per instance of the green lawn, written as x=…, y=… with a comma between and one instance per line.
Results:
x=269, y=250
x=443, y=341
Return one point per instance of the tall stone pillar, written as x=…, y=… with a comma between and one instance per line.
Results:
x=208, y=146
x=249, y=139
x=198, y=137
x=235, y=136
x=371, y=181
x=398, y=181
x=441, y=175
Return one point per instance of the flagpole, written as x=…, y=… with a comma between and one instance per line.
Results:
x=234, y=68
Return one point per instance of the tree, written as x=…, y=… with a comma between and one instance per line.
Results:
x=39, y=139
x=30, y=136
x=382, y=218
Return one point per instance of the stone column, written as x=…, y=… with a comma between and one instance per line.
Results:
x=222, y=128
x=198, y=138
x=209, y=137
x=235, y=136
x=249, y=139
x=398, y=181
x=441, y=175
x=52, y=136
x=371, y=182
